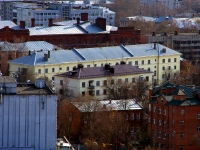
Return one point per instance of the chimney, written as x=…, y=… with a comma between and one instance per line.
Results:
x=112, y=70
x=22, y=24
x=80, y=66
x=101, y=23
x=32, y=22
x=78, y=21
x=153, y=34
x=48, y=54
x=150, y=94
x=15, y=20
x=122, y=63
x=84, y=16
x=50, y=22
x=154, y=46
x=107, y=66
x=46, y=57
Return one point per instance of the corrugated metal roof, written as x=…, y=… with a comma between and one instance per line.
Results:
x=8, y=23
x=96, y=72
x=27, y=46
x=103, y=53
x=91, y=106
x=82, y=28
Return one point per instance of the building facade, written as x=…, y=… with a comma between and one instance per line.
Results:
x=152, y=57
x=187, y=44
x=28, y=116
x=93, y=13
x=95, y=81
x=130, y=110
x=174, y=117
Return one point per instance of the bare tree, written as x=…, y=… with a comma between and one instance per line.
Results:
x=119, y=89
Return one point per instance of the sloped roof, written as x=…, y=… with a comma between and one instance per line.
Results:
x=91, y=106
x=191, y=99
x=27, y=46
x=97, y=53
x=96, y=72
x=82, y=28
x=8, y=23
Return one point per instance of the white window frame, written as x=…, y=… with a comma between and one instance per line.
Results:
x=154, y=121
x=181, y=135
x=198, y=116
x=198, y=128
x=159, y=111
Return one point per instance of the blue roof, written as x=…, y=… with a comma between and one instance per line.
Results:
x=97, y=53
x=162, y=19
x=27, y=46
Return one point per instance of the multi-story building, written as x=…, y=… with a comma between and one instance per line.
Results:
x=85, y=34
x=174, y=116
x=28, y=115
x=41, y=16
x=10, y=51
x=172, y=4
x=186, y=43
x=93, y=13
x=152, y=57
x=130, y=110
x=94, y=80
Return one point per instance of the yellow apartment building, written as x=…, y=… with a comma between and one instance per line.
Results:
x=152, y=57
x=94, y=80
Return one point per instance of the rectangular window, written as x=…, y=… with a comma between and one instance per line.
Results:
x=149, y=69
x=181, y=147
x=130, y=62
x=105, y=82
x=67, y=69
x=163, y=68
x=83, y=93
x=159, y=111
x=182, y=122
x=149, y=61
x=154, y=121
x=133, y=80
x=83, y=84
x=104, y=91
x=164, y=112
x=136, y=63
x=39, y=71
x=198, y=128
x=95, y=65
x=159, y=133
x=165, y=123
x=182, y=112
x=126, y=80
x=174, y=59
x=97, y=83
x=112, y=81
x=142, y=62
x=174, y=67
x=163, y=76
x=88, y=66
x=169, y=60
x=172, y=121
x=60, y=68
x=97, y=92
x=181, y=135
x=198, y=116
x=163, y=60
x=46, y=70
x=132, y=116
x=53, y=69
x=61, y=82
x=169, y=67
x=154, y=73
x=154, y=108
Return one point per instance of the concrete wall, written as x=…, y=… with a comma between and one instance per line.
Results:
x=27, y=122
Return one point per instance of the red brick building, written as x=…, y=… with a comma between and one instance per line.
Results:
x=11, y=32
x=174, y=117
x=85, y=34
x=123, y=116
